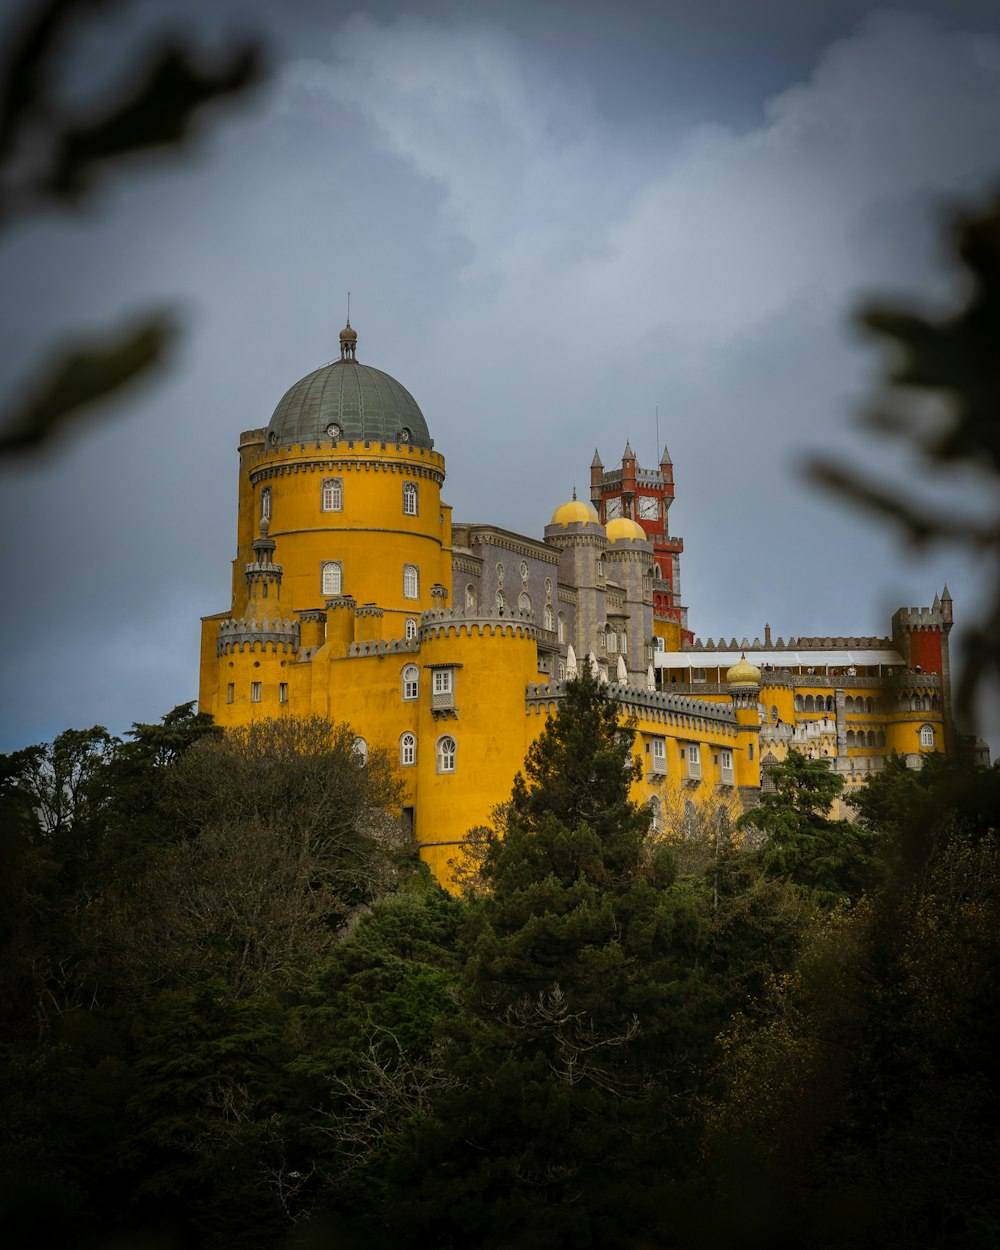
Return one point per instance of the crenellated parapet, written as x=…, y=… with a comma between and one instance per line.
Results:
x=238, y=635
x=457, y=621
x=827, y=643
x=384, y=646
x=650, y=705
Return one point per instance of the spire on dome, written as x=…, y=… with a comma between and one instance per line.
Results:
x=348, y=336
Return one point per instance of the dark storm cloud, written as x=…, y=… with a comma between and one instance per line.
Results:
x=545, y=240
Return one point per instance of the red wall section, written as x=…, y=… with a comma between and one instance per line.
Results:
x=925, y=650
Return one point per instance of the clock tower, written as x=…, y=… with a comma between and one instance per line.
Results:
x=645, y=496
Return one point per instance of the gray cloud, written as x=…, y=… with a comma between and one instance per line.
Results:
x=541, y=276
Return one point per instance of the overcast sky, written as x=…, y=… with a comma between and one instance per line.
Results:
x=554, y=219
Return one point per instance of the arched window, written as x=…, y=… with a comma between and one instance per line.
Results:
x=409, y=499
x=265, y=504
x=657, y=575
x=926, y=735
x=411, y=683
x=561, y=627
x=447, y=749
x=412, y=628
x=612, y=641
x=333, y=578
x=407, y=750
x=871, y=737
x=332, y=497
x=360, y=748
x=660, y=644
x=523, y=602
x=810, y=705
x=470, y=598
x=851, y=740
x=623, y=644
x=849, y=703
x=498, y=601
x=829, y=702
x=869, y=705
x=411, y=581
x=550, y=619
x=881, y=738
x=562, y=670
x=655, y=815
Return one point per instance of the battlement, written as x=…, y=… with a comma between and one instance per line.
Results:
x=439, y=622
x=651, y=704
x=383, y=646
x=245, y=633
x=825, y=643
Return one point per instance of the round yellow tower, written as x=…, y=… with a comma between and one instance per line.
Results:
x=342, y=535
x=743, y=680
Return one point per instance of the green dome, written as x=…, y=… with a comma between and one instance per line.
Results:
x=347, y=400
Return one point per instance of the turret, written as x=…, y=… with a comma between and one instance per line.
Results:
x=743, y=680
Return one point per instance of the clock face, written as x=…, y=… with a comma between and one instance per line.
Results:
x=649, y=508
x=613, y=507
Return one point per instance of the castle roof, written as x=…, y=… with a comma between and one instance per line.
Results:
x=364, y=404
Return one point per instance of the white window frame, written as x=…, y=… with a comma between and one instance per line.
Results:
x=411, y=629
x=524, y=602
x=411, y=581
x=549, y=618
x=265, y=503
x=282, y=691
x=255, y=691
x=446, y=751
x=359, y=749
x=726, y=765
x=410, y=679
x=926, y=735
x=443, y=681
x=658, y=756
x=332, y=495
x=411, y=499
x=231, y=692
x=332, y=578
x=692, y=761
x=470, y=598
x=561, y=627
x=407, y=749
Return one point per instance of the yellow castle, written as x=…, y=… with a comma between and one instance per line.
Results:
x=356, y=597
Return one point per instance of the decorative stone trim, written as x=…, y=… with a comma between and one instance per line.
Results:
x=384, y=646
x=440, y=622
x=240, y=634
x=519, y=545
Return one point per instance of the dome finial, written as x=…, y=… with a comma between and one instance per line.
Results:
x=574, y=490
x=348, y=336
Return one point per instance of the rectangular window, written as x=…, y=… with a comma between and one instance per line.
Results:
x=658, y=756
x=282, y=691
x=726, y=766
x=231, y=692
x=332, y=499
x=694, y=761
x=255, y=692
x=442, y=690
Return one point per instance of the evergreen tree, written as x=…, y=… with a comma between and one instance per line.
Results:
x=833, y=859
x=583, y=1010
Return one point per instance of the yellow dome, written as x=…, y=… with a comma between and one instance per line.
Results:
x=743, y=673
x=576, y=512
x=622, y=527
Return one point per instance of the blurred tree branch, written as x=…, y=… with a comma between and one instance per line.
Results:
x=955, y=359
x=51, y=156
